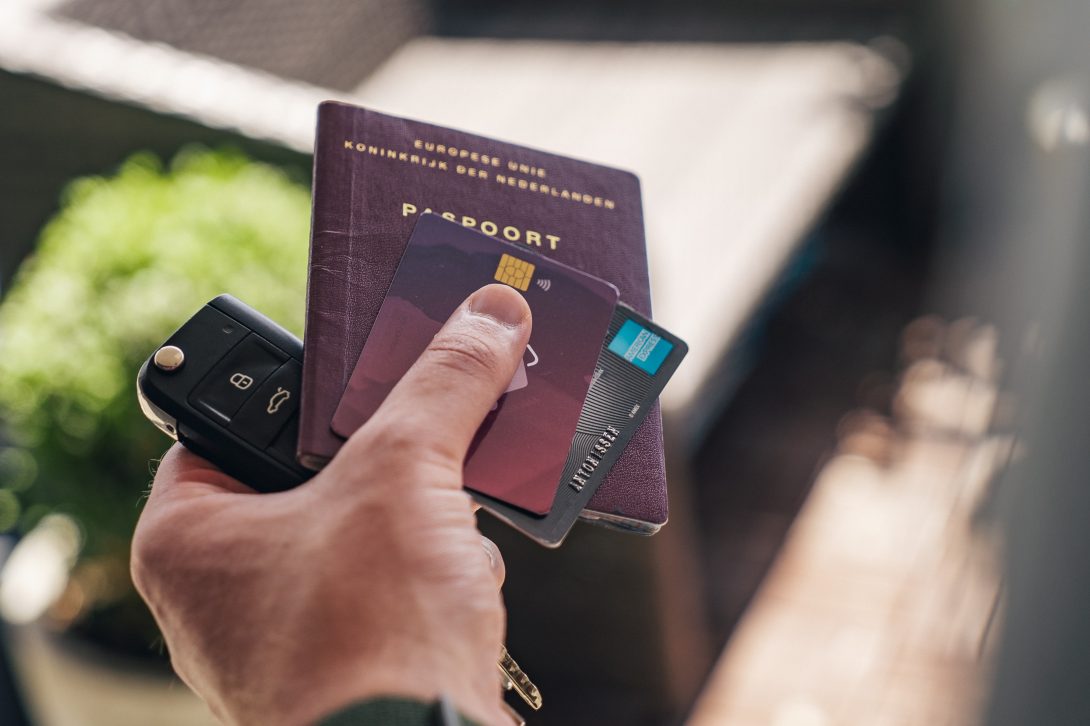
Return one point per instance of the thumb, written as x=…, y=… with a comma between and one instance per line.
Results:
x=441, y=401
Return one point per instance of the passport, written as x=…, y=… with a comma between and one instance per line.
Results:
x=374, y=174
x=521, y=448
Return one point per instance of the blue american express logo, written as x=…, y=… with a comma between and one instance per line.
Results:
x=640, y=347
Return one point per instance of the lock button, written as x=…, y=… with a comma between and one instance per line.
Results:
x=275, y=401
x=236, y=378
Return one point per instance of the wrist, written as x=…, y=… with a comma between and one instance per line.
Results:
x=323, y=691
x=401, y=711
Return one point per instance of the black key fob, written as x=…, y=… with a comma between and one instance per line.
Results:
x=226, y=385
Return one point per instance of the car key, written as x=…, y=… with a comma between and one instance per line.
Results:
x=226, y=386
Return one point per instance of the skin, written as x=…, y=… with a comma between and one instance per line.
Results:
x=370, y=579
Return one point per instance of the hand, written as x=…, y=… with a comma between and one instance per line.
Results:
x=370, y=579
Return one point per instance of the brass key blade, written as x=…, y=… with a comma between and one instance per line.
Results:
x=519, y=681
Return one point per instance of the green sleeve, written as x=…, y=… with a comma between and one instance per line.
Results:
x=391, y=711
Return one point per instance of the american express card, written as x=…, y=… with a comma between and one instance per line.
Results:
x=636, y=360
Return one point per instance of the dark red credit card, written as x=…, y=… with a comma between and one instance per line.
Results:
x=521, y=448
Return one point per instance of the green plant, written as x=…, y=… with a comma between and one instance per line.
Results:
x=124, y=262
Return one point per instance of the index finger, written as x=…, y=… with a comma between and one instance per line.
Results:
x=181, y=473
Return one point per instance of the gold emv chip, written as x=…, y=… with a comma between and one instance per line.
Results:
x=515, y=272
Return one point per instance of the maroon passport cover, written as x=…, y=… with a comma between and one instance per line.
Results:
x=374, y=174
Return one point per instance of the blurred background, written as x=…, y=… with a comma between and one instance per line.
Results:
x=866, y=217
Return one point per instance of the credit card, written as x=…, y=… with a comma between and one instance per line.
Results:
x=522, y=447
x=636, y=360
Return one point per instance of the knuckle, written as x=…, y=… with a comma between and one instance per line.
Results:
x=464, y=354
x=394, y=447
x=392, y=440
x=151, y=550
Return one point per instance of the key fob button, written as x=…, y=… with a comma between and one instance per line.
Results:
x=283, y=447
x=236, y=378
x=273, y=403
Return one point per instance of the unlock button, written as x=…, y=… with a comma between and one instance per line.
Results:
x=275, y=401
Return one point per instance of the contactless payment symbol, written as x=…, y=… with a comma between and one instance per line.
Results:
x=515, y=272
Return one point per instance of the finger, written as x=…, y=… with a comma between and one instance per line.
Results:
x=441, y=401
x=182, y=473
x=495, y=560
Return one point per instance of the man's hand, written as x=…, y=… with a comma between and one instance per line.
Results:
x=370, y=579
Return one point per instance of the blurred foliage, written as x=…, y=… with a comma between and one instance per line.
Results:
x=125, y=261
